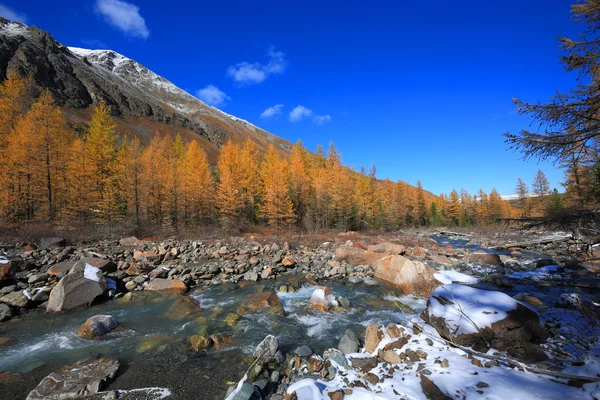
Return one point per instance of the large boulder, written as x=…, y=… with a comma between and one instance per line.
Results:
x=412, y=277
x=349, y=342
x=387, y=248
x=15, y=299
x=76, y=380
x=322, y=299
x=166, y=285
x=485, y=258
x=267, y=349
x=96, y=326
x=484, y=319
x=355, y=256
x=77, y=289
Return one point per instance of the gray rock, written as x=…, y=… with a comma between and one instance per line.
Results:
x=251, y=276
x=267, y=349
x=76, y=380
x=8, y=289
x=367, y=280
x=344, y=302
x=77, y=289
x=40, y=296
x=130, y=285
x=5, y=312
x=337, y=357
x=303, y=351
x=35, y=278
x=246, y=392
x=52, y=242
x=15, y=299
x=349, y=342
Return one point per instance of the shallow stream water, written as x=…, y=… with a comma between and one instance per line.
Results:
x=153, y=347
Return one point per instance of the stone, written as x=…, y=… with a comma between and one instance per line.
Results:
x=61, y=268
x=251, y=276
x=288, y=262
x=7, y=273
x=52, y=242
x=15, y=299
x=372, y=378
x=303, y=351
x=77, y=289
x=337, y=395
x=485, y=258
x=387, y=248
x=322, y=299
x=373, y=336
x=5, y=312
x=130, y=242
x=259, y=300
x=100, y=263
x=267, y=349
x=349, y=342
x=130, y=285
x=355, y=256
x=246, y=392
x=412, y=277
x=517, y=330
x=390, y=356
x=580, y=303
x=336, y=357
x=200, y=342
x=315, y=363
x=431, y=390
x=184, y=307
x=166, y=285
x=364, y=364
x=35, y=278
x=76, y=380
x=96, y=326
x=394, y=331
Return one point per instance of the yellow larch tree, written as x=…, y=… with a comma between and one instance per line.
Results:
x=198, y=186
x=229, y=189
x=16, y=96
x=300, y=181
x=277, y=205
x=249, y=160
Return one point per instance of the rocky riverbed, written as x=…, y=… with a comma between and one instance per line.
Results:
x=352, y=317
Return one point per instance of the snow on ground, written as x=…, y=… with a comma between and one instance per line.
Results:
x=460, y=379
x=449, y=276
x=467, y=308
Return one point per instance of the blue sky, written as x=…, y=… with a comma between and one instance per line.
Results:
x=421, y=91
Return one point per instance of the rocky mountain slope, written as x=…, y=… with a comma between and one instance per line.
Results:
x=143, y=101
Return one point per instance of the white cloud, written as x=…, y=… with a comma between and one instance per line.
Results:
x=246, y=73
x=272, y=111
x=321, y=119
x=300, y=112
x=124, y=16
x=212, y=95
x=11, y=14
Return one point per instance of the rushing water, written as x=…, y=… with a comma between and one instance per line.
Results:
x=148, y=338
x=153, y=346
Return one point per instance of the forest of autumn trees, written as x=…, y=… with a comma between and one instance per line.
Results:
x=53, y=173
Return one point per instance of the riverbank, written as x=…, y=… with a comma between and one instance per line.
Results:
x=242, y=289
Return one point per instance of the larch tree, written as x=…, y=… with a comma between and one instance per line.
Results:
x=421, y=211
x=198, y=186
x=277, y=205
x=16, y=96
x=454, y=207
x=229, y=189
x=540, y=184
x=522, y=192
x=249, y=180
x=80, y=173
x=101, y=143
x=300, y=181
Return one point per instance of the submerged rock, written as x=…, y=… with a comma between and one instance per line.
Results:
x=76, y=380
x=200, y=342
x=184, y=307
x=77, y=289
x=96, y=326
